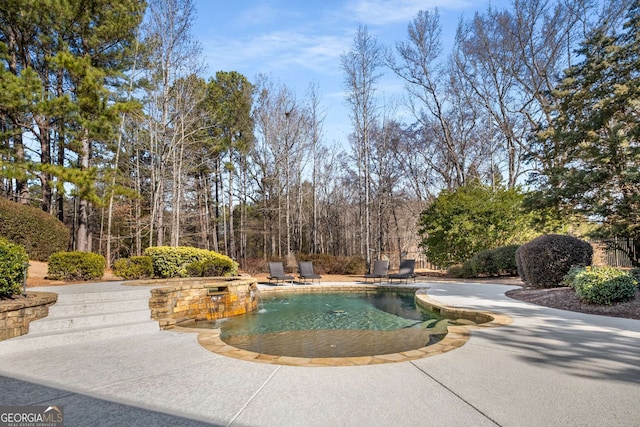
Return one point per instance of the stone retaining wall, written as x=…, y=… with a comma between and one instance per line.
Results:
x=187, y=300
x=15, y=315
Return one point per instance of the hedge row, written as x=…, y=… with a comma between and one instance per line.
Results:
x=183, y=261
x=40, y=233
x=492, y=262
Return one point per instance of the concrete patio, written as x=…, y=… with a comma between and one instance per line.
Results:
x=549, y=367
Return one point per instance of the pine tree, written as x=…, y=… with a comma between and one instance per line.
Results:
x=591, y=149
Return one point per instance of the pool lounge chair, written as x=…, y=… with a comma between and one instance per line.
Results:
x=405, y=272
x=305, y=272
x=276, y=272
x=380, y=270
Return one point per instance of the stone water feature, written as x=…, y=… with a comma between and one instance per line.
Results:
x=184, y=301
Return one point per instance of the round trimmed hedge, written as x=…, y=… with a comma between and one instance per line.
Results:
x=41, y=234
x=136, y=267
x=76, y=266
x=175, y=261
x=544, y=261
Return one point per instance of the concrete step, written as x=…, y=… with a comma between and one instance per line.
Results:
x=42, y=340
x=106, y=296
x=66, y=323
x=86, y=315
x=80, y=309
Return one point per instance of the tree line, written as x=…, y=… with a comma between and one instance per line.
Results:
x=108, y=122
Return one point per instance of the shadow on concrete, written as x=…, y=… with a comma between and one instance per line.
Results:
x=83, y=410
x=583, y=345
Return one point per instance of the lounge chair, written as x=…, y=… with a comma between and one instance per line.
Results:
x=406, y=271
x=276, y=272
x=380, y=269
x=305, y=272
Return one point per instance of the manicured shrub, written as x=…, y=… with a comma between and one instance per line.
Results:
x=569, y=278
x=172, y=261
x=492, y=262
x=208, y=268
x=40, y=233
x=76, y=266
x=459, y=271
x=13, y=261
x=604, y=285
x=544, y=261
x=136, y=267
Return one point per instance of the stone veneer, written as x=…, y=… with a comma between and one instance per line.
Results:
x=15, y=316
x=187, y=300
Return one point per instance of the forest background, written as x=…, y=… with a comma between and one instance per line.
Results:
x=109, y=123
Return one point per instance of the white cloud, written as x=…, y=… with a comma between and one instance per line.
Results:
x=278, y=50
x=383, y=12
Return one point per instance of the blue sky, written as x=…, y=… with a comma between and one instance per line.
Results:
x=297, y=42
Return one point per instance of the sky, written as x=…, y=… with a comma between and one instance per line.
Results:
x=299, y=42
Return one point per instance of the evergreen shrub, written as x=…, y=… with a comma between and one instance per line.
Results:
x=136, y=267
x=208, y=268
x=173, y=261
x=491, y=262
x=459, y=271
x=40, y=233
x=544, y=261
x=604, y=285
x=13, y=261
x=76, y=266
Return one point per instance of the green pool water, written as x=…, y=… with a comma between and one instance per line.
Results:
x=333, y=325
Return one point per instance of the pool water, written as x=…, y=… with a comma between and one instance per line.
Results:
x=333, y=325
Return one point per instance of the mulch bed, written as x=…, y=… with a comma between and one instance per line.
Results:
x=566, y=299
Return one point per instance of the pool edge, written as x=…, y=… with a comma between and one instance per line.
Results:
x=456, y=337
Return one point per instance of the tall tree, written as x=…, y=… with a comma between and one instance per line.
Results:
x=172, y=55
x=590, y=151
x=72, y=53
x=230, y=97
x=362, y=70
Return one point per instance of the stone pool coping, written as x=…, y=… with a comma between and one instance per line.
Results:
x=456, y=337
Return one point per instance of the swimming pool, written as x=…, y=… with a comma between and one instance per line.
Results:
x=330, y=324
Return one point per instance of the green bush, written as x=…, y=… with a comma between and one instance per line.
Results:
x=41, y=234
x=458, y=271
x=544, y=261
x=492, y=262
x=570, y=277
x=471, y=219
x=13, y=261
x=172, y=261
x=208, y=268
x=76, y=266
x=136, y=267
x=604, y=285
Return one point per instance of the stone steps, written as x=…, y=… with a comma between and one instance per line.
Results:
x=88, y=316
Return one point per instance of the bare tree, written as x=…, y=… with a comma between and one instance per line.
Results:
x=426, y=84
x=171, y=56
x=362, y=69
